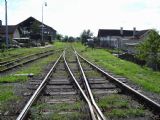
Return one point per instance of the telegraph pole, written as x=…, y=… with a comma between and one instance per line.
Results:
x=42, y=22
x=7, y=44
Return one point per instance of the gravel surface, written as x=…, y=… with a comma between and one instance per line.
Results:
x=20, y=90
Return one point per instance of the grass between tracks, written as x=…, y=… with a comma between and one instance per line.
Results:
x=7, y=93
x=59, y=111
x=143, y=76
x=120, y=106
x=36, y=68
x=9, y=55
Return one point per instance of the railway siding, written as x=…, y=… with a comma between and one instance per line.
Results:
x=72, y=90
x=147, y=79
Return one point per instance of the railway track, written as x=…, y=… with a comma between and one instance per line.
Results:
x=73, y=89
x=8, y=65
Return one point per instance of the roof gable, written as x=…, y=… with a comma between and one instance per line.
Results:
x=115, y=32
x=30, y=20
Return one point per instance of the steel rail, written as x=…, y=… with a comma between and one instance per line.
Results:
x=10, y=62
x=98, y=111
x=81, y=90
x=148, y=101
x=25, y=110
x=23, y=63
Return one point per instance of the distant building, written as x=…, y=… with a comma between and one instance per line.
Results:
x=13, y=31
x=123, y=39
x=90, y=42
x=29, y=30
x=32, y=28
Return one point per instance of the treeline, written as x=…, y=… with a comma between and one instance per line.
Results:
x=66, y=38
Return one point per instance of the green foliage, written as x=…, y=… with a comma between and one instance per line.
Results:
x=59, y=45
x=60, y=111
x=145, y=77
x=71, y=39
x=36, y=69
x=6, y=95
x=149, y=49
x=125, y=113
x=86, y=34
x=120, y=106
x=9, y=55
x=59, y=37
x=3, y=47
x=65, y=38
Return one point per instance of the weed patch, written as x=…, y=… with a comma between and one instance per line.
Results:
x=120, y=106
x=143, y=76
x=35, y=68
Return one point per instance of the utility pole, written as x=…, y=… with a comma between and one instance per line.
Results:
x=42, y=22
x=7, y=40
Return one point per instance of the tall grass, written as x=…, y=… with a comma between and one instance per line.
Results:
x=143, y=76
x=20, y=52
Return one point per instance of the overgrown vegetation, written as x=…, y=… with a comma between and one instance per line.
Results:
x=120, y=106
x=143, y=76
x=7, y=91
x=12, y=54
x=149, y=50
x=35, y=68
x=65, y=111
x=86, y=34
x=6, y=95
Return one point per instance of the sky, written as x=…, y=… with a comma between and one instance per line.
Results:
x=71, y=17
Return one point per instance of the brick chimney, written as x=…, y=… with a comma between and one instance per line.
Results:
x=134, y=31
x=121, y=30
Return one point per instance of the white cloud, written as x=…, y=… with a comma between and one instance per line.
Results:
x=71, y=17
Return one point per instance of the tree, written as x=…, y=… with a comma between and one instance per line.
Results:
x=59, y=37
x=149, y=50
x=65, y=38
x=86, y=34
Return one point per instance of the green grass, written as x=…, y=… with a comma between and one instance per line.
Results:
x=113, y=101
x=120, y=106
x=65, y=111
x=59, y=107
x=143, y=76
x=59, y=45
x=125, y=113
x=35, y=68
x=68, y=116
x=6, y=95
x=92, y=74
x=20, y=52
x=7, y=92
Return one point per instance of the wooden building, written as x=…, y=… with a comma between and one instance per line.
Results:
x=13, y=31
x=32, y=28
x=29, y=30
x=125, y=40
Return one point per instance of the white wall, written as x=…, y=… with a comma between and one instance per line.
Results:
x=16, y=34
